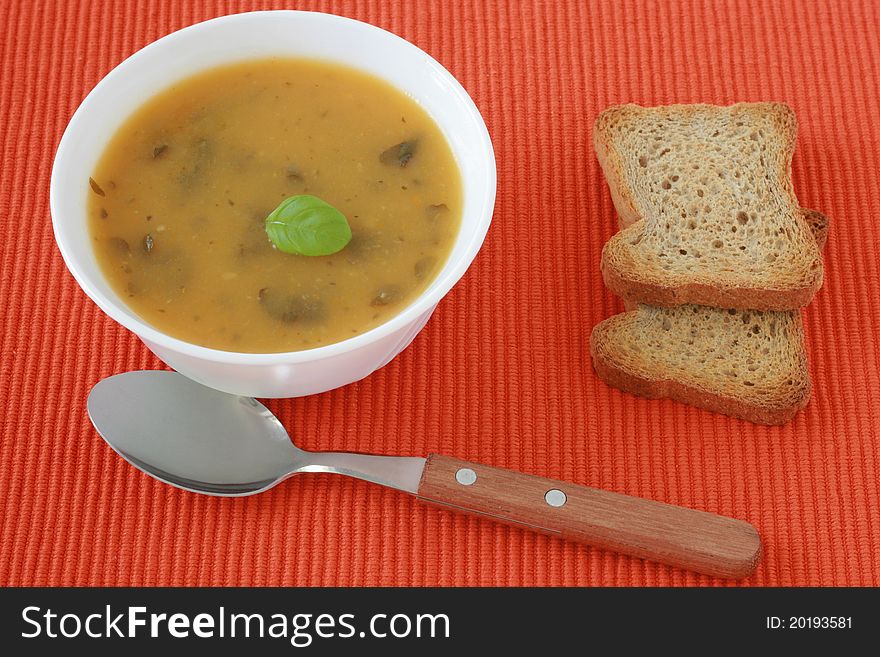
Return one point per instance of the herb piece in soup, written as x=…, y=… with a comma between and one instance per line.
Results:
x=424, y=267
x=96, y=187
x=400, y=154
x=306, y=225
x=387, y=294
x=436, y=211
x=290, y=308
x=159, y=151
x=199, y=158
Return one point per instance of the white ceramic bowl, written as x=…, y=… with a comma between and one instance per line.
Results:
x=249, y=36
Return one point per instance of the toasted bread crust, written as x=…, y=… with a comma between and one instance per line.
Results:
x=631, y=289
x=612, y=167
x=818, y=224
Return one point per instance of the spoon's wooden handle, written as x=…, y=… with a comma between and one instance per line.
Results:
x=678, y=536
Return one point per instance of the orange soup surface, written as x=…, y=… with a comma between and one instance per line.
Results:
x=179, y=200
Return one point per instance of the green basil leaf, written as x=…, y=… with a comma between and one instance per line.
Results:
x=307, y=226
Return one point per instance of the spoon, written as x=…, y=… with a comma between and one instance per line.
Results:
x=211, y=442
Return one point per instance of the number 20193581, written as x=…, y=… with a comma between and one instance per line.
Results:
x=809, y=623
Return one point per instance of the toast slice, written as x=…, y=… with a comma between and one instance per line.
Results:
x=707, y=197
x=748, y=364
x=751, y=365
x=817, y=222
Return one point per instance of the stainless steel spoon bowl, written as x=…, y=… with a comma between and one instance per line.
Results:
x=207, y=441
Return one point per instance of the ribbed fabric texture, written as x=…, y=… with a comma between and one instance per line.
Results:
x=502, y=373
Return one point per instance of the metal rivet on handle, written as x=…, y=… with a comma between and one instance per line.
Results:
x=466, y=476
x=555, y=497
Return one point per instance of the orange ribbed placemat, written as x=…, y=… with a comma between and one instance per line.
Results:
x=502, y=373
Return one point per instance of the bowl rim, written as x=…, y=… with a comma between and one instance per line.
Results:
x=424, y=303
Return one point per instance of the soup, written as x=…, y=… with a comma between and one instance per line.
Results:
x=180, y=197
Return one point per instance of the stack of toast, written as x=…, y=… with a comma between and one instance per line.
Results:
x=714, y=258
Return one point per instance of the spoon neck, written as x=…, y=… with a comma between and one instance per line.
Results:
x=400, y=472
